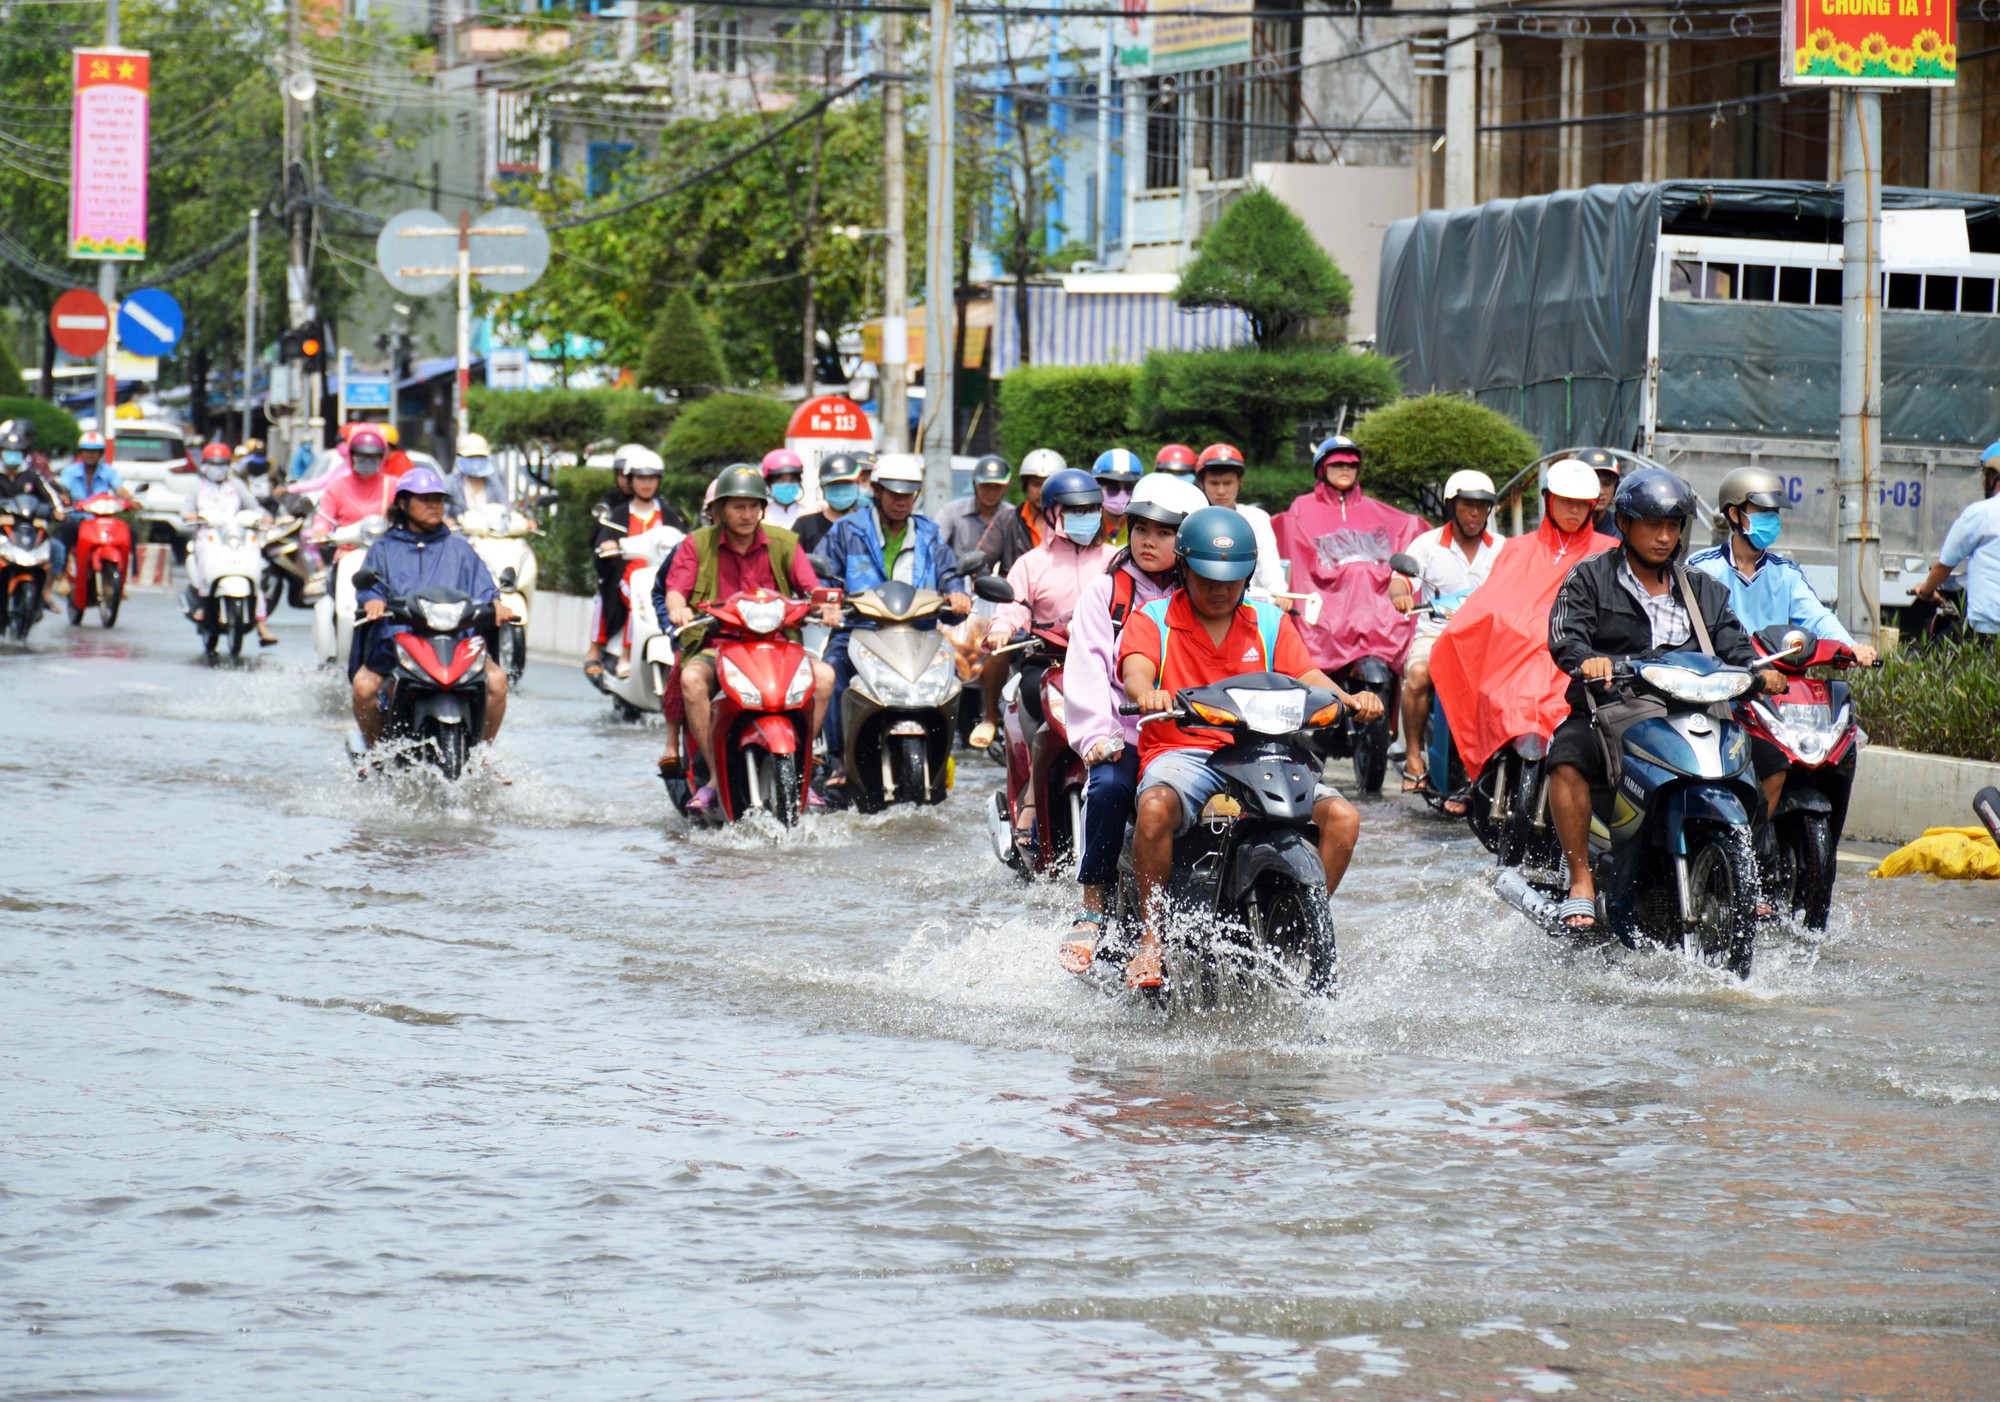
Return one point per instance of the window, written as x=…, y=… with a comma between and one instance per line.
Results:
x=715, y=45
x=602, y=161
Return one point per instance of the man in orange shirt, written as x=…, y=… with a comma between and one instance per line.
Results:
x=1206, y=632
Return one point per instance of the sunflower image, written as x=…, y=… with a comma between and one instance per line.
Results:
x=1847, y=59
x=1820, y=43
x=1927, y=45
x=1874, y=49
x=1901, y=62
x=1948, y=58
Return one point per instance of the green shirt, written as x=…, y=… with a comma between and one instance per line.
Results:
x=892, y=547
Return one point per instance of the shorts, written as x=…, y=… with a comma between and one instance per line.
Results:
x=1575, y=743
x=1189, y=774
x=1420, y=651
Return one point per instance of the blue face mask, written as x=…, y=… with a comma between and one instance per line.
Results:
x=1082, y=526
x=786, y=493
x=842, y=496
x=1762, y=529
x=10, y=458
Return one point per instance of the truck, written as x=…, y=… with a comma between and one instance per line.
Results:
x=1698, y=324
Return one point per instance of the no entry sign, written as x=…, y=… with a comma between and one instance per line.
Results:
x=80, y=323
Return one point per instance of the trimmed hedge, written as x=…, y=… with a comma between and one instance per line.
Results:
x=542, y=422
x=11, y=384
x=1940, y=699
x=1412, y=445
x=56, y=430
x=1256, y=397
x=563, y=550
x=710, y=434
x=1078, y=410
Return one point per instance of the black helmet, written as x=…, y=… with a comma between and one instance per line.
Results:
x=839, y=467
x=1072, y=488
x=1599, y=460
x=17, y=435
x=1653, y=494
x=991, y=468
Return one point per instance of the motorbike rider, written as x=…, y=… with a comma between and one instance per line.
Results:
x=87, y=475
x=1604, y=463
x=715, y=564
x=1219, y=473
x=366, y=489
x=840, y=489
x=18, y=478
x=1015, y=530
x=963, y=520
x=641, y=512
x=1107, y=742
x=418, y=551
x=1206, y=631
x=219, y=493
x=473, y=481
x=1454, y=560
x=1117, y=471
x=1974, y=542
x=1626, y=603
x=1176, y=460
x=889, y=540
x=785, y=477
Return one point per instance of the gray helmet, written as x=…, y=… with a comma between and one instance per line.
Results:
x=17, y=434
x=1752, y=486
x=991, y=468
x=742, y=479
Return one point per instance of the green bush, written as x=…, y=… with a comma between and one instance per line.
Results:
x=680, y=355
x=563, y=550
x=11, y=383
x=1261, y=259
x=1078, y=410
x=1253, y=398
x=539, y=422
x=634, y=416
x=1412, y=445
x=56, y=429
x=710, y=434
x=1941, y=699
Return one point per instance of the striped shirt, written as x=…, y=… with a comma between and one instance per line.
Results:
x=1666, y=615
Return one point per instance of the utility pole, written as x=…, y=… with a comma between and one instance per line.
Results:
x=939, y=426
x=1860, y=564
x=250, y=328
x=298, y=301
x=1102, y=214
x=461, y=411
x=1461, y=110
x=107, y=291
x=894, y=397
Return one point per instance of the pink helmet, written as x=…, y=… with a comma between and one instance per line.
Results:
x=782, y=460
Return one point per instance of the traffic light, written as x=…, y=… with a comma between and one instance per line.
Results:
x=305, y=344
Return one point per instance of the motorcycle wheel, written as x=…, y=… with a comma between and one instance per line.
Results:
x=73, y=605
x=1295, y=926
x=1371, y=754
x=26, y=602
x=274, y=588
x=906, y=767
x=239, y=626
x=449, y=744
x=1720, y=928
x=110, y=594
x=513, y=653
x=1806, y=861
x=780, y=782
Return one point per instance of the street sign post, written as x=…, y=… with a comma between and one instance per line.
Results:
x=79, y=323
x=150, y=322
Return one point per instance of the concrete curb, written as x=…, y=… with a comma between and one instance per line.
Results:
x=559, y=625
x=1899, y=793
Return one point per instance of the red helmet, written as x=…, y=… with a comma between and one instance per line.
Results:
x=1177, y=453
x=216, y=452
x=1218, y=455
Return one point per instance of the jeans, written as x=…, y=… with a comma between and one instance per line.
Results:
x=1107, y=808
x=843, y=676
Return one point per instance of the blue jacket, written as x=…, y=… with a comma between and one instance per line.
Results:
x=407, y=562
x=854, y=550
x=1778, y=595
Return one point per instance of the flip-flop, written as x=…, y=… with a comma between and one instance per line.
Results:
x=982, y=735
x=593, y=670
x=1145, y=971
x=1075, y=954
x=1574, y=906
x=269, y=642
x=1457, y=805
x=1414, y=783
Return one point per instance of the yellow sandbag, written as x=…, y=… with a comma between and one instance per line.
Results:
x=1958, y=854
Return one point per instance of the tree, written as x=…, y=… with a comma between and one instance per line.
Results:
x=1412, y=445
x=680, y=356
x=1261, y=259
x=1255, y=397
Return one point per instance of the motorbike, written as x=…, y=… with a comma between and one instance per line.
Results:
x=435, y=699
x=1043, y=773
x=24, y=563
x=1672, y=846
x=499, y=534
x=760, y=722
x=635, y=678
x=102, y=560
x=289, y=565
x=228, y=550
x=333, y=610
x=898, y=715
x=1813, y=722
x=1247, y=880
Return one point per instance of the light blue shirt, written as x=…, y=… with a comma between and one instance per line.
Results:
x=1974, y=541
x=1778, y=594
x=105, y=479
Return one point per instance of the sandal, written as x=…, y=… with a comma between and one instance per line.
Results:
x=1414, y=783
x=982, y=735
x=1573, y=907
x=1458, y=805
x=594, y=670
x=670, y=769
x=1145, y=972
x=1075, y=954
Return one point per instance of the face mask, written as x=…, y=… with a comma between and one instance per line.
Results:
x=1082, y=526
x=842, y=496
x=475, y=467
x=214, y=471
x=10, y=458
x=366, y=466
x=1116, y=500
x=1762, y=529
x=785, y=493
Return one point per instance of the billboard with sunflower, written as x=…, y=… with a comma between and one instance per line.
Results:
x=1874, y=43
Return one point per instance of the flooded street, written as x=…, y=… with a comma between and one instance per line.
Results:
x=518, y=1090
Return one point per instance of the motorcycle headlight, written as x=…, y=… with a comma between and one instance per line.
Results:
x=1684, y=684
x=802, y=684
x=1270, y=712
x=762, y=616
x=1807, y=728
x=443, y=618
x=892, y=688
x=740, y=683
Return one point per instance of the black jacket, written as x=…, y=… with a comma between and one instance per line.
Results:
x=618, y=523
x=1596, y=616
x=1006, y=538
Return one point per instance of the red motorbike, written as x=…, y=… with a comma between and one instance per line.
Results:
x=760, y=723
x=102, y=560
x=1043, y=773
x=1812, y=721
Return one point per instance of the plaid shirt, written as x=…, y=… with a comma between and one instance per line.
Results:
x=1665, y=613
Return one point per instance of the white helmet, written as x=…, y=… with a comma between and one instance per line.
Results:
x=632, y=458
x=1572, y=479
x=899, y=472
x=1165, y=499
x=1043, y=462
x=474, y=445
x=1473, y=486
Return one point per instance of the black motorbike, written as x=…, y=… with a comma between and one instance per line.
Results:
x=24, y=563
x=1366, y=742
x=435, y=699
x=1247, y=885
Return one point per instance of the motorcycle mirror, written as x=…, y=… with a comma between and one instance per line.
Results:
x=1403, y=563
x=970, y=562
x=507, y=578
x=821, y=565
x=993, y=589
x=1798, y=642
x=366, y=578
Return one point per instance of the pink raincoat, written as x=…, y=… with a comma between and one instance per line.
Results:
x=1339, y=544
x=1048, y=581
x=1091, y=688
x=349, y=499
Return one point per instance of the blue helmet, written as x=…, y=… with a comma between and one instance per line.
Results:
x=1339, y=445
x=1216, y=543
x=1120, y=466
x=1991, y=454
x=1072, y=489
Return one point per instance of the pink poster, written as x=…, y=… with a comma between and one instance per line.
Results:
x=107, y=195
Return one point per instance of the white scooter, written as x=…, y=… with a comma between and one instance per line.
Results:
x=635, y=678
x=500, y=536
x=228, y=553
x=333, y=610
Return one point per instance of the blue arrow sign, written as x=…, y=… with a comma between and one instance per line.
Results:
x=150, y=322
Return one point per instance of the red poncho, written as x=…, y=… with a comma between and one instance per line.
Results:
x=1491, y=665
x=1339, y=545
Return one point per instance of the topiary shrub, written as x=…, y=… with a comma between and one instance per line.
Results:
x=1252, y=398
x=56, y=428
x=1261, y=259
x=539, y=422
x=11, y=383
x=1078, y=410
x=1412, y=445
x=634, y=416
x=709, y=434
x=563, y=549
x=680, y=355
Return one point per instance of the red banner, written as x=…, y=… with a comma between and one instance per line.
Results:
x=108, y=135
x=1871, y=43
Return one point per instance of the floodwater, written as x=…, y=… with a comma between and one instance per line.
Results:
x=520, y=1091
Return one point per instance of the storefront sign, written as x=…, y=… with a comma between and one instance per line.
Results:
x=1870, y=43
x=1202, y=34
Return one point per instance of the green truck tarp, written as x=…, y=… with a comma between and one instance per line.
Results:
x=1538, y=307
